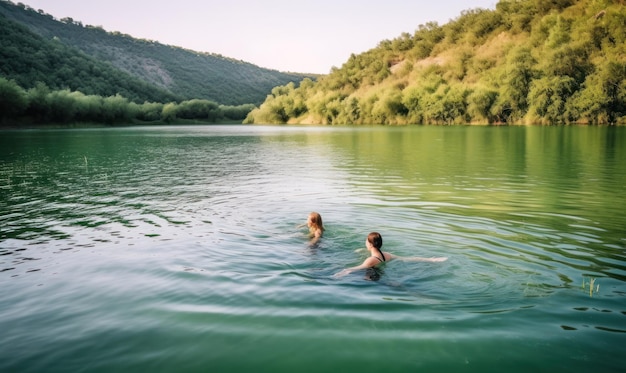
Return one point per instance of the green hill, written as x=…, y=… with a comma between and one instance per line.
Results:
x=67, y=54
x=28, y=59
x=527, y=61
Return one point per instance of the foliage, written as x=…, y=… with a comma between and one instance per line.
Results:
x=66, y=54
x=526, y=61
x=12, y=99
x=27, y=59
x=549, y=96
x=40, y=105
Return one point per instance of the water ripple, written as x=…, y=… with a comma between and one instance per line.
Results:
x=165, y=241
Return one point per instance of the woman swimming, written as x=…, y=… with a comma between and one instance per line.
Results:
x=316, y=227
x=374, y=243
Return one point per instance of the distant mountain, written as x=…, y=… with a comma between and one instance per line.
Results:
x=67, y=54
x=526, y=61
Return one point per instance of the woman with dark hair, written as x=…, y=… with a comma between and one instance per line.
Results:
x=374, y=243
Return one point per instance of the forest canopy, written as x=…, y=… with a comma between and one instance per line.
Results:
x=526, y=61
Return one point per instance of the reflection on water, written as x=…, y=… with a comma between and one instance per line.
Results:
x=177, y=248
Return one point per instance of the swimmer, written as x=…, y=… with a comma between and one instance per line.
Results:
x=316, y=227
x=373, y=243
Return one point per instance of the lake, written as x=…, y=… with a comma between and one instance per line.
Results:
x=177, y=249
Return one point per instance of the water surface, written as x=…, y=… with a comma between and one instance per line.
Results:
x=176, y=249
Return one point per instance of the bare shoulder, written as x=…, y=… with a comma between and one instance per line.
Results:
x=389, y=256
x=370, y=262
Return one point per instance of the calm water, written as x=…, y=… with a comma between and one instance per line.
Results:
x=176, y=249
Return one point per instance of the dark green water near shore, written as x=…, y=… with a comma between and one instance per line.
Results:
x=175, y=249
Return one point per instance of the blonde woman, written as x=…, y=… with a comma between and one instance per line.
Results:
x=316, y=226
x=374, y=243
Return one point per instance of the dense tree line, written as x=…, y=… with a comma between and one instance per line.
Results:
x=68, y=54
x=41, y=105
x=527, y=61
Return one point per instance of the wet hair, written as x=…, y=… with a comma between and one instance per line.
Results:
x=375, y=239
x=316, y=220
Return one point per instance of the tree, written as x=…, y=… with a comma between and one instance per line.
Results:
x=412, y=100
x=512, y=95
x=236, y=112
x=545, y=6
x=38, y=108
x=116, y=109
x=169, y=112
x=150, y=111
x=62, y=107
x=88, y=107
x=353, y=111
x=480, y=102
x=12, y=100
x=198, y=109
x=573, y=61
x=603, y=98
x=517, y=16
x=389, y=108
x=547, y=99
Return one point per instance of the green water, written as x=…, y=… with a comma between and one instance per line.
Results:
x=177, y=249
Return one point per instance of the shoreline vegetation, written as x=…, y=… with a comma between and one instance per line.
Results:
x=42, y=107
x=525, y=62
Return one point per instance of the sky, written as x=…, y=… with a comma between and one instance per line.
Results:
x=287, y=35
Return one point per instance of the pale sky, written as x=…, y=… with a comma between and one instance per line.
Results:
x=286, y=35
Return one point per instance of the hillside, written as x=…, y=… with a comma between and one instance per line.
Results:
x=527, y=61
x=28, y=59
x=91, y=53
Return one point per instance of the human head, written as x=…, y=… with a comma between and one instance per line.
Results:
x=375, y=239
x=315, y=220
